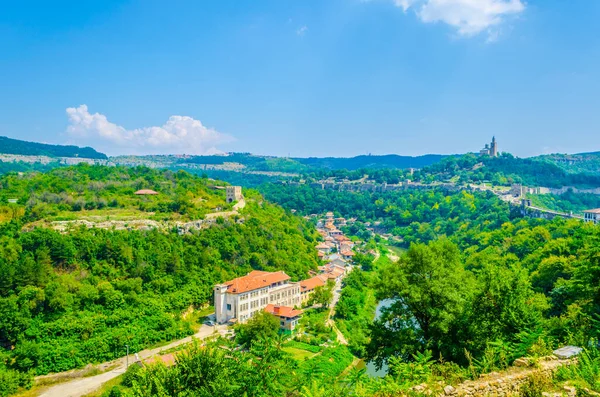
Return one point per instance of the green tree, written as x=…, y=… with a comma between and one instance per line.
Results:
x=429, y=289
x=262, y=325
x=323, y=294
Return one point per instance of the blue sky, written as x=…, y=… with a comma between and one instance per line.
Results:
x=303, y=77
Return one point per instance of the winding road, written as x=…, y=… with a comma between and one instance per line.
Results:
x=82, y=386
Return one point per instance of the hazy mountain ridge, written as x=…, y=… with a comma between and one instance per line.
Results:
x=25, y=148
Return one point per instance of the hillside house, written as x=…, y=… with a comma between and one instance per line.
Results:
x=324, y=248
x=592, y=216
x=288, y=316
x=307, y=287
x=347, y=255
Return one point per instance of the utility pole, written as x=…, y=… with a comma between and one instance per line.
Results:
x=127, y=365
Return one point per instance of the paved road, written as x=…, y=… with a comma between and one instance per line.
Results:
x=336, y=297
x=83, y=386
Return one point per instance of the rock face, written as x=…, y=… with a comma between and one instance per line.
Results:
x=508, y=383
x=521, y=362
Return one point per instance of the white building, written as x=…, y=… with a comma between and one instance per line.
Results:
x=234, y=193
x=242, y=297
x=592, y=215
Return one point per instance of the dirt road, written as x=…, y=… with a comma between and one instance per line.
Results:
x=83, y=386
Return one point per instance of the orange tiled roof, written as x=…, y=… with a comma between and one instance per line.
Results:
x=323, y=246
x=282, y=311
x=311, y=283
x=256, y=279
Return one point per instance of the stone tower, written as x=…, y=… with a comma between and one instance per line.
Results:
x=234, y=193
x=494, y=148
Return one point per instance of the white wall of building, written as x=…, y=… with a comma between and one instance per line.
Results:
x=244, y=305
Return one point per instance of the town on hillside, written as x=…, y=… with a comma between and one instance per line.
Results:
x=238, y=300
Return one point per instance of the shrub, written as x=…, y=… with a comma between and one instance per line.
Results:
x=535, y=385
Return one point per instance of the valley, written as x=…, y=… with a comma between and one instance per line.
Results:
x=96, y=258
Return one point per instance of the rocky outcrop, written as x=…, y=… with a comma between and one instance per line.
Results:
x=508, y=383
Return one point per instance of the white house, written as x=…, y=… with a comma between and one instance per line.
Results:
x=243, y=297
x=592, y=215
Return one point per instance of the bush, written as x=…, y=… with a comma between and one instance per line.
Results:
x=130, y=375
x=11, y=381
x=535, y=385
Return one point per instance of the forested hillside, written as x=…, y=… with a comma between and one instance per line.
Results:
x=478, y=287
x=15, y=146
x=415, y=215
x=67, y=300
x=505, y=170
x=575, y=163
x=84, y=191
x=391, y=161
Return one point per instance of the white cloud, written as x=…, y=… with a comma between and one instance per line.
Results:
x=302, y=30
x=468, y=17
x=180, y=134
x=405, y=4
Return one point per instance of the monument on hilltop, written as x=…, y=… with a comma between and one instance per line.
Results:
x=490, y=149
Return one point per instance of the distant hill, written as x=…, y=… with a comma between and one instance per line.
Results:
x=358, y=162
x=24, y=148
x=588, y=163
x=506, y=169
x=299, y=164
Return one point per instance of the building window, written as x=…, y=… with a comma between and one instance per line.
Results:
x=228, y=306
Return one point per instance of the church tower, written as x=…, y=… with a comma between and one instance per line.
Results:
x=494, y=148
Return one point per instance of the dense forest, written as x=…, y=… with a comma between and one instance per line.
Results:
x=566, y=202
x=414, y=215
x=477, y=288
x=15, y=146
x=71, y=299
x=20, y=166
